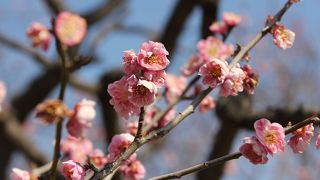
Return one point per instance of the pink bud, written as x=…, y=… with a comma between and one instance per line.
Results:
x=39, y=35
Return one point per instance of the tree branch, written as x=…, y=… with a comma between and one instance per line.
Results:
x=217, y=161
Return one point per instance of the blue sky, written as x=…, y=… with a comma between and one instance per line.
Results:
x=302, y=61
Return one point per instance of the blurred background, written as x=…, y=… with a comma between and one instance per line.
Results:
x=288, y=89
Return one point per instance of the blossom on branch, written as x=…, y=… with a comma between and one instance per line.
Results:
x=253, y=150
x=233, y=82
x=153, y=56
x=119, y=144
x=206, y=104
x=98, y=158
x=231, y=19
x=82, y=117
x=52, y=110
x=133, y=170
x=282, y=37
x=219, y=27
x=301, y=138
x=192, y=66
x=72, y=170
x=141, y=92
x=119, y=92
x=157, y=77
x=130, y=63
x=39, y=35
x=70, y=28
x=251, y=79
x=174, y=87
x=76, y=149
x=214, y=72
x=271, y=135
x=213, y=48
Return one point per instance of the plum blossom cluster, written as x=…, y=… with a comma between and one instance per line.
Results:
x=144, y=74
x=131, y=168
x=230, y=20
x=269, y=139
x=282, y=37
x=232, y=81
x=69, y=28
x=301, y=138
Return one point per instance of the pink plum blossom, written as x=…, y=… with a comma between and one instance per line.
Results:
x=271, y=135
x=18, y=174
x=98, y=158
x=153, y=56
x=119, y=144
x=133, y=171
x=192, y=66
x=283, y=38
x=157, y=77
x=141, y=92
x=253, y=150
x=214, y=72
x=70, y=28
x=301, y=138
x=132, y=127
x=77, y=149
x=39, y=35
x=83, y=115
x=174, y=86
x=72, y=170
x=233, y=83
x=130, y=63
x=251, y=79
x=3, y=93
x=219, y=27
x=213, y=48
x=118, y=90
x=231, y=19
x=206, y=104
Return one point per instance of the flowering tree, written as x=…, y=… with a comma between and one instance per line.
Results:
x=147, y=96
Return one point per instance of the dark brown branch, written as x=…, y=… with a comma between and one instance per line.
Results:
x=140, y=122
x=25, y=49
x=175, y=25
x=55, y=6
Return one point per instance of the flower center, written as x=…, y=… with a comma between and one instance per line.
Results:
x=212, y=51
x=141, y=90
x=216, y=72
x=69, y=28
x=152, y=59
x=270, y=138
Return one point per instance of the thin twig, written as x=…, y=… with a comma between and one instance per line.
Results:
x=260, y=35
x=64, y=80
x=217, y=161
